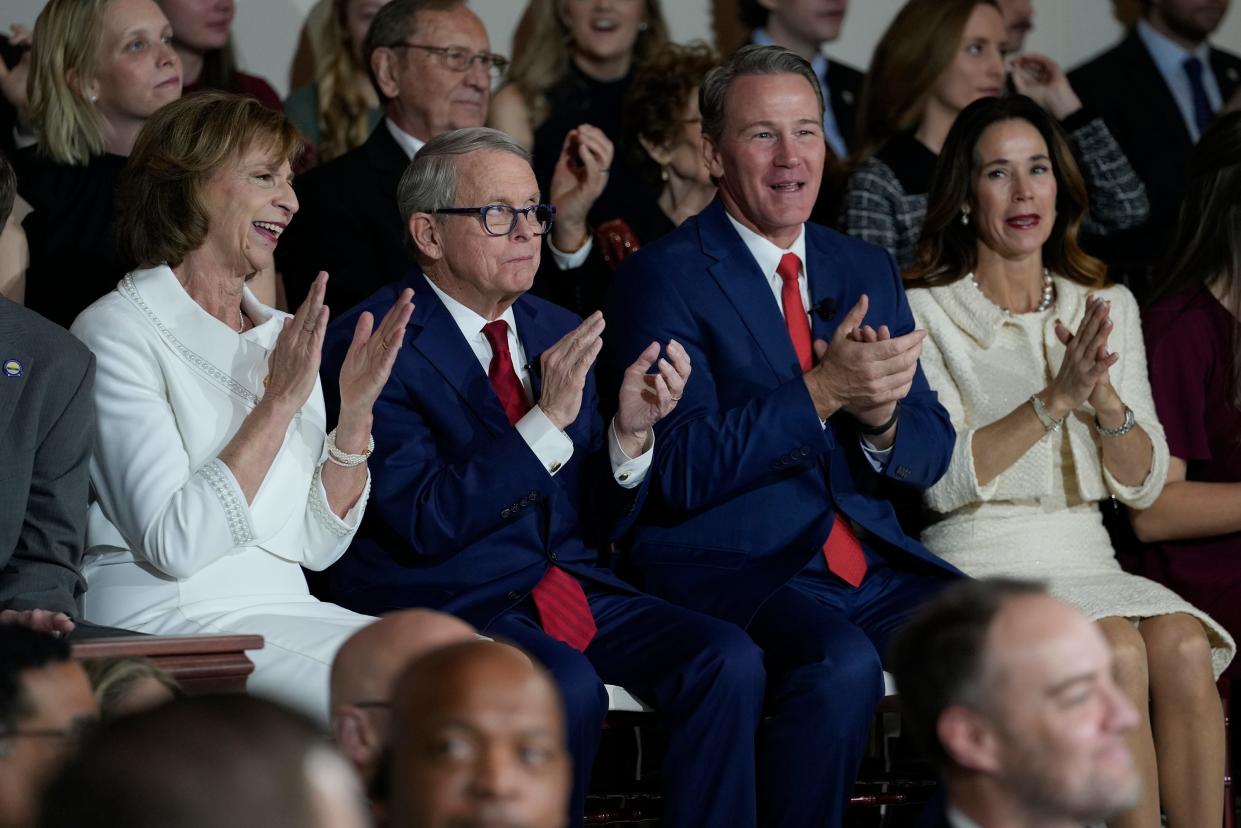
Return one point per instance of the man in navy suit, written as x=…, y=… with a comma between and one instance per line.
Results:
x=767, y=504
x=1012, y=694
x=495, y=480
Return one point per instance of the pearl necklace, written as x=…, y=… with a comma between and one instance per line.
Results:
x=1046, y=301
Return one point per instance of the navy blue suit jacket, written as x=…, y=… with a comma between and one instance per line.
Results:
x=462, y=515
x=747, y=481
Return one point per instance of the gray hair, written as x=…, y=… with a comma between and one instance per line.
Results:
x=749, y=60
x=430, y=181
x=395, y=24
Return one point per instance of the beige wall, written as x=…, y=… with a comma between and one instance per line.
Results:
x=1068, y=30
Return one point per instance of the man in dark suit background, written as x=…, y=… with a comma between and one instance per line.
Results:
x=1012, y=694
x=495, y=479
x=47, y=416
x=766, y=506
x=349, y=223
x=1157, y=90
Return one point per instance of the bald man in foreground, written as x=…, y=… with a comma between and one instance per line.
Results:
x=364, y=675
x=478, y=740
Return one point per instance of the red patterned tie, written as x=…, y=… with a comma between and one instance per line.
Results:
x=841, y=549
x=559, y=598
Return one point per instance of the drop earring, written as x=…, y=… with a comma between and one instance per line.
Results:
x=965, y=217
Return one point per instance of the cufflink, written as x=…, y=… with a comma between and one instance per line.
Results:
x=623, y=476
x=554, y=467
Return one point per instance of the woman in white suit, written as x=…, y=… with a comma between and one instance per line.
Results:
x=214, y=481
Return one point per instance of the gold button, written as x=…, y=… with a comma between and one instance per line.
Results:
x=554, y=467
x=623, y=476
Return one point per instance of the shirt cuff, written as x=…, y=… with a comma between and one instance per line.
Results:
x=550, y=445
x=629, y=472
x=569, y=261
x=878, y=458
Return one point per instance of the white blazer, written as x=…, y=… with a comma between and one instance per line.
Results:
x=169, y=529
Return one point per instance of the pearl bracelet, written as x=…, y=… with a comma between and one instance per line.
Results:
x=345, y=459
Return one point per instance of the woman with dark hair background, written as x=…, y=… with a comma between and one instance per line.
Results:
x=1040, y=364
x=1193, y=345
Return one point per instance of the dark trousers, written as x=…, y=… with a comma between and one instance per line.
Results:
x=824, y=643
x=703, y=676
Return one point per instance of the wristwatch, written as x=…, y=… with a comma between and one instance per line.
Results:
x=1049, y=422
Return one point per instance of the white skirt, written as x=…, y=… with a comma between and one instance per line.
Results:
x=1068, y=550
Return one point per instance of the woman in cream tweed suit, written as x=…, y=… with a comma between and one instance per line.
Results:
x=1040, y=363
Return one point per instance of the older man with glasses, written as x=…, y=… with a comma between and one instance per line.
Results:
x=432, y=66
x=495, y=480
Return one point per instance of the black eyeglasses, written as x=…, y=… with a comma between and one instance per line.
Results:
x=501, y=219
x=459, y=59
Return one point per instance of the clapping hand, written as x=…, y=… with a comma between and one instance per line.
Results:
x=864, y=371
x=564, y=367
x=1084, y=374
x=371, y=355
x=578, y=180
x=294, y=364
x=646, y=398
x=1042, y=79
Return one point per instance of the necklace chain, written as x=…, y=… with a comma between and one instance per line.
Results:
x=1045, y=301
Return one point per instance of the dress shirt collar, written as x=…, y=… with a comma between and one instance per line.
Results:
x=1169, y=56
x=471, y=323
x=404, y=140
x=767, y=253
x=956, y=819
x=761, y=37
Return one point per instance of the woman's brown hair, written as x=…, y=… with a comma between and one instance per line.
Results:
x=948, y=249
x=1206, y=250
x=541, y=61
x=160, y=214
x=919, y=45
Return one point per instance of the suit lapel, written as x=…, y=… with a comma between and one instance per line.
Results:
x=12, y=332
x=436, y=336
x=535, y=339
x=747, y=290
x=829, y=280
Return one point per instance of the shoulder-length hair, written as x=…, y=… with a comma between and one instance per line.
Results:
x=948, y=249
x=1206, y=250
x=342, y=108
x=919, y=45
x=541, y=60
x=160, y=212
x=66, y=39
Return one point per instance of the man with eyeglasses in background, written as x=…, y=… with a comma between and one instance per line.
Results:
x=431, y=63
x=45, y=704
x=495, y=480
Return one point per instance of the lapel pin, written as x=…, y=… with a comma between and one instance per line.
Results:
x=13, y=368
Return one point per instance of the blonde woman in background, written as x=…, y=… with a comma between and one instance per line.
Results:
x=99, y=69
x=129, y=685
x=338, y=110
x=568, y=81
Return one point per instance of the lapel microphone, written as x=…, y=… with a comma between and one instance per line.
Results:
x=825, y=310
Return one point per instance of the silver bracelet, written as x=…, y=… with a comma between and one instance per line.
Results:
x=1049, y=422
x=1120, y=430
x=345, y=459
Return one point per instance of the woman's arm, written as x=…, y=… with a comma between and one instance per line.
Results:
x=1188, y=509
x=1001, y=443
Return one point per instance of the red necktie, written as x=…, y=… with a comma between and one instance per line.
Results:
x=559, y=598
x=841, y=549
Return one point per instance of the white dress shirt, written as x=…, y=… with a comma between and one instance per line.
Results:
x=551, y=445
x=564, y=261
x=768, y=255
x=1169, y=58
